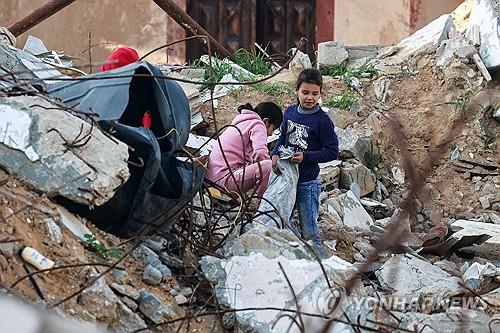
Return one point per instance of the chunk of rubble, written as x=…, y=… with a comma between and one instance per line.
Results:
x=256, y=281
x=350, y=210
x=355, y=172
x=58, y=153
x=331, y=54
x=111, y=308
x=411, y=277
x=481, y=278
x=488, y=233
x=155, y=310
x=355, y=142
x=270, y=242
x=329, y=173
x=455, y=319
x=454, y=47
x=17, y=316
x=429, y=37
x=486, y=15
x=300, y=62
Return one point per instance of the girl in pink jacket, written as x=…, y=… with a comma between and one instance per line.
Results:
x=244, y=149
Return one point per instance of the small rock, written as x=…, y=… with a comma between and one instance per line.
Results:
x=449, y=267
x=54, y=231
x=154, y=309
x=8, y=249
x=125, y=290
x=359, y=257
x=165, y=271
x=354, y=172
x=156, y=243
x=181, y=299
x=171, y=261
x=485, y=202
x=152, y=275
x=300, y=62
x=331, y=54
x=120, y=276
x=362, y=247
x=130, y=303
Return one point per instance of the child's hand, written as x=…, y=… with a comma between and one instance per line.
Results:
x=276, y=168
x=297, y=157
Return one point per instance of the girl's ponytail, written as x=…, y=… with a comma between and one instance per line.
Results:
x=247, y=106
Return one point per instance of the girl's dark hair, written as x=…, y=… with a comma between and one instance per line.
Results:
x=310, y=75
x=267, y=110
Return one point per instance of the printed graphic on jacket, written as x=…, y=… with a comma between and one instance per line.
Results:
x=297, y=135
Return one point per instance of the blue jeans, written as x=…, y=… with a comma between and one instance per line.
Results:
x=307, y=202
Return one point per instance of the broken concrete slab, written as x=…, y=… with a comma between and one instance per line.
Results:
x=486, y=15
x=329, y=173
x=268, y=241
x=300, y=62
x=27, y=68
x=58, y=153
x=257, y=281
x=455, y=319
x=341, y=118
x=155, y=310
x=17, y=316
x=331, y=54
x=355, y=172
x=428, y=37
x=489, y=248
x=111, y=309
x=481, y=278
x=411, y=277
x=73, y=224
x=454, y=47
x=355, y=142
x=350, y=210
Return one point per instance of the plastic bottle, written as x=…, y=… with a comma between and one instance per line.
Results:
x=33, y=257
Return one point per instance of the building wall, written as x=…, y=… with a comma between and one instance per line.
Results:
x=363, y=22
x=432, y=9
x=138, y=23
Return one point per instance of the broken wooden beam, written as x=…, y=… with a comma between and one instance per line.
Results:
x=37, y=16
x=190, y=25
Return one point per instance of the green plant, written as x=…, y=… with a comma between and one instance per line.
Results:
x=274, y=89
x=372, y=157
x=488, y=141
x=96, y=246
x=214, y=74
x=461, y=101
x=253, y=61
x=342, y=101
x=338, y=70
x=365, y=71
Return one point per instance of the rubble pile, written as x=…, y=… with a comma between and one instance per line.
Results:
x=427, y=107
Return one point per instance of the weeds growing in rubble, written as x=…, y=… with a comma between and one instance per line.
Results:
x=463, y=100
x=342, y=101
x=253, y=61
x=96, y=246
x=274, y=89
x=365, y=71
x=219, y=69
